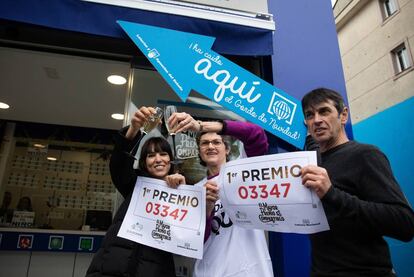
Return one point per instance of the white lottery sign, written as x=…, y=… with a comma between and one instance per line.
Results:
x=266, y=192
x=169, y=219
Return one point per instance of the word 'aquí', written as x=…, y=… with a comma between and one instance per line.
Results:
x=221, y=78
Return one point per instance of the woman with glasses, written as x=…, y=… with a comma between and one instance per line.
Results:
x=229, y=250
x=118, y=256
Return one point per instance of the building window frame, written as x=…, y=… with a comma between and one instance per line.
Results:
x=402, y=58
x=389, y=8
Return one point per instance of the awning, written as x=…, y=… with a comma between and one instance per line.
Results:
x=100, y=19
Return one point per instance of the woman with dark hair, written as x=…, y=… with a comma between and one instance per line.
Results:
x=24, y=204
x=118, y=256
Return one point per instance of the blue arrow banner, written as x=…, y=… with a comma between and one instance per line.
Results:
x=186, y=62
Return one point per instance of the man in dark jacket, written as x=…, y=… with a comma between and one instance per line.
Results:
x=362, y=200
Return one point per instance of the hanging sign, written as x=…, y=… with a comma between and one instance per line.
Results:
x=169, y=219
x=186, y=145
x=266, y=192
x=186, y=62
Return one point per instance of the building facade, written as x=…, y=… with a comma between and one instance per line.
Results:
x=376, y=40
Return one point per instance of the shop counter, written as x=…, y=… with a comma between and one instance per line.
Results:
x=44, y=252
x=26, y=239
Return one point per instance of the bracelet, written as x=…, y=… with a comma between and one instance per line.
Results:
x=201, y=126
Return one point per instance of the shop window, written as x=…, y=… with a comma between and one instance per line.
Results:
x=72, y=190
x=401, y=58
x=389, y=7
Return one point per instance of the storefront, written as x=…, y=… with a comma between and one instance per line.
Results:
x=64, y=50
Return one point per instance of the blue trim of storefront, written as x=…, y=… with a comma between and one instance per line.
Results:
x=100, y=19
x=34, y=241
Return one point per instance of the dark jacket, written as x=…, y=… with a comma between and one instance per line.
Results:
x=118, y=256
x=364, y=204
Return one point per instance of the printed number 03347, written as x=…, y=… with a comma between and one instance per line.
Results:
x=264, y=191
x=164, y=211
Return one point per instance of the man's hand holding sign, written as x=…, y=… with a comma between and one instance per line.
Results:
x=316, y=178
x=267, y=193
x=166, y=218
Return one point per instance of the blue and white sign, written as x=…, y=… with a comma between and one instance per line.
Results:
x=186, y=62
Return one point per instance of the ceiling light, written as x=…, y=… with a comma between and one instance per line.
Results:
x=116, y=80
x=51, y=158
x=117, y=116
x=39, y=145
x=4, y=106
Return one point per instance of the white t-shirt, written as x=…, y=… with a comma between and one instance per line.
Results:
x=232, y=251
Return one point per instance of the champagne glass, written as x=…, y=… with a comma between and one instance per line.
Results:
x=148, y=126
x=152, y=121
x=168, y=111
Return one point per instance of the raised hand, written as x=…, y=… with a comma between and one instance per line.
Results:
x=174, y=180
x=183, y=122
x=137, y=121
x=212, y=195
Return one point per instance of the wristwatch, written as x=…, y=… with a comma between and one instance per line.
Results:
x=201, y=126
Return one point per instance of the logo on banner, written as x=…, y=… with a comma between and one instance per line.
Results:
x=25, y=241
x=187, y=246
x=241, y=215
x=137, y=226
x=85, y=243
x=307, y=222
x=56, y=242
x=162, y=231
x=282, y=108
x=153, y=54
x=270, y=213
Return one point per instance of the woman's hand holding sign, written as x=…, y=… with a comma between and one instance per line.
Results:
x=174, y=180
x=212, y=195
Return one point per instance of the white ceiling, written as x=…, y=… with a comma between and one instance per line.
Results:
x=68, y=90
x=60, y=89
